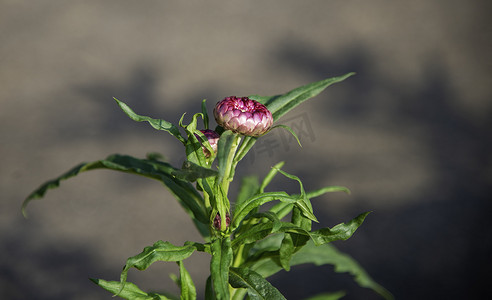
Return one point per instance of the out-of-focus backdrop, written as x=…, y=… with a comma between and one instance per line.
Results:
x=410, y=134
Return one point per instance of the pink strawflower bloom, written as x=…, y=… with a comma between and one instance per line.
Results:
x=213, y=139
x=243, y=115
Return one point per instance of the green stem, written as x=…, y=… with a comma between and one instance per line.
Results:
x=230, y=166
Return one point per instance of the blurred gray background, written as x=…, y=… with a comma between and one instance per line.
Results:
x=409, y=134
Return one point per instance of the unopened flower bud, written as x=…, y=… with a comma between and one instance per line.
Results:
x=243, y=115
x=218, y=222
x=213, y=139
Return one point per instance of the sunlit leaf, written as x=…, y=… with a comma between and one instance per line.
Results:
x=160, y=251
x=281, y=104
x=245, y=207
x=191, y=172
x=156, y=123
x=184, y=191
x=130, y=290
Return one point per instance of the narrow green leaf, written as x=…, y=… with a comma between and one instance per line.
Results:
x=205, y=114
x=272, y=217
x=327, y=189
x=156, y=123
x=281, y=104
x=328, y=254
x=289, y=130
x=188, y=290
x=249, y=187
x=160, y=251
x=191, y=172
x=252, y=234
x=245, y=146
x=219, y=267
x=242, y=210
x=130, y=291
x=257, y=286
x=286, y=250
x=341, y=231
x=304, y=204
x=209, y=289
x=282, y=209
x=184, y=191
x=271, y=174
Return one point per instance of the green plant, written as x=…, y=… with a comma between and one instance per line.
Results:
x=246, y=244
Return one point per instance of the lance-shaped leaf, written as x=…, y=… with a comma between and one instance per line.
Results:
x=341, y=231
x=249, y=187
x=304, y=204
x=329, y=254
x=242, y=210
x=257, y=286
x=184, y=191
x=271, y=174
x=130, y=291
x=281, y=104
x=160, y=251
x=156, y=123
x=191, y=172
x=219, y=267
x=325, y=254
x=252, y=234
x=205, y=114
x=188, y=290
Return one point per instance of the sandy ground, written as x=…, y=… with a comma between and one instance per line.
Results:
x=409, y=134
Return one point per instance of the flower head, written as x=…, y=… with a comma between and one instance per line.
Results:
x=213, y=139
x=243, y=115
x=217, y=221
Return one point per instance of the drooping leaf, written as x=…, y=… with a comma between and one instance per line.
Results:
x=184, y=191
x=219, y=267
x=156, y=123
x=160, y=251
x=257, y=286
x=130, y=290
x=281, y=104
x=290, y=131
x=188, y=290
